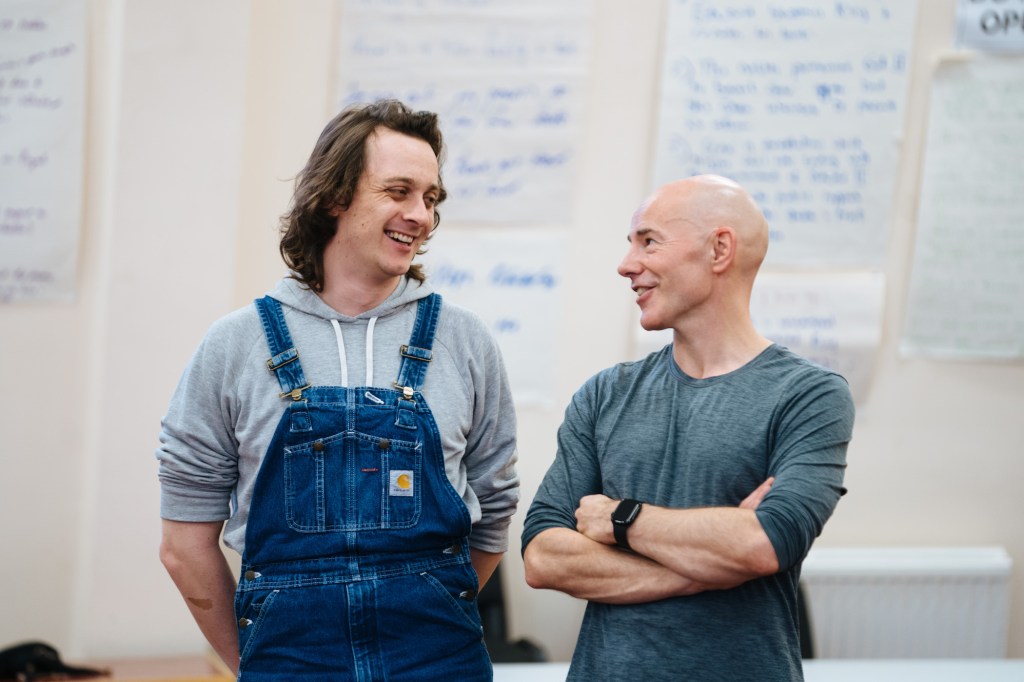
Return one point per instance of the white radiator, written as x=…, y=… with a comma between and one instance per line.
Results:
x=908, y=602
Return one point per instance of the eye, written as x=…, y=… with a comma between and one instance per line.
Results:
x=399, y=192
x=430, y=200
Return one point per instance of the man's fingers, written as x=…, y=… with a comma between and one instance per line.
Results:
x=754, y=499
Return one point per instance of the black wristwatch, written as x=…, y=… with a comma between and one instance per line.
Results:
x=622, y=518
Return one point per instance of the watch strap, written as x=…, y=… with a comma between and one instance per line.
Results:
x=621, y=532
x=622, y=518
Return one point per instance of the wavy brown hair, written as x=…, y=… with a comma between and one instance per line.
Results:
x=329, y=178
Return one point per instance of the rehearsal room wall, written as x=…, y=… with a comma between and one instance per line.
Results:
x=198, y=116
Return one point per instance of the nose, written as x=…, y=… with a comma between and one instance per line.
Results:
x=629, y=265
x=417, y=211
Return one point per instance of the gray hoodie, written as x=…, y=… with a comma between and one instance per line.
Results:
x=226, y=407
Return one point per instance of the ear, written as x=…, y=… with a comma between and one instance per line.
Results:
x=724, y=244
x=336, y=210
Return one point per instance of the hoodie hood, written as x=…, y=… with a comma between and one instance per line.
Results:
x=294, y=294
x=360, y=343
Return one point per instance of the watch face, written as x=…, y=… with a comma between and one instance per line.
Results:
x=626, y=512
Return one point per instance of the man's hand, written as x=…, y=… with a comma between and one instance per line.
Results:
x=754, y=499
x=594, y=515
x=594, y=518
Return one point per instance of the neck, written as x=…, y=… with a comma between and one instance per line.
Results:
x=351, y=297
x=710, y=352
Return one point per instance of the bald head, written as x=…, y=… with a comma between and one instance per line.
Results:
x=707, y=202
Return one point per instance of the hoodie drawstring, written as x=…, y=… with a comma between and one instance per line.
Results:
x=369, y=351
x=341, y=352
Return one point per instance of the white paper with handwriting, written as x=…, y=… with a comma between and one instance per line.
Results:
x=42, y=101
x=512, y=279
x=506, y=79
x=802, y=103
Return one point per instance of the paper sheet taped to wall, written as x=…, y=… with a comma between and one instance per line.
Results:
x=966, y=297
x=506, y=79
x=512, y=279
x=990, y=25
x=42, y=88
x=801, y=103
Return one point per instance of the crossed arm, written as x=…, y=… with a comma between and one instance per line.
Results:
x=677, y=552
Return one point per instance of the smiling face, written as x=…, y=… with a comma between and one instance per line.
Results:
x=390, y=216
x=669, y=262
x=694, y=250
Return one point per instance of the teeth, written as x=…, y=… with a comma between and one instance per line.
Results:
x=399, y=237
x=640, y=291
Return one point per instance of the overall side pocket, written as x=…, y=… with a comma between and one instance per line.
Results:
x=252, y=609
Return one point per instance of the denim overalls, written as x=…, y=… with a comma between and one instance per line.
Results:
x=356, y=562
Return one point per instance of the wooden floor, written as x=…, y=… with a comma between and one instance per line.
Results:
x=184, y=669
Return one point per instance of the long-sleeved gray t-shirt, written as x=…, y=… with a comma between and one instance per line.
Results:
x=647, y=431
x=224, y=412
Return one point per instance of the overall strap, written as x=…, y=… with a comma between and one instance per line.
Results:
x=417, y=354
x=284, y=359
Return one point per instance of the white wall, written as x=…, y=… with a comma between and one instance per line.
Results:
x=199, y=115
x=85, y=384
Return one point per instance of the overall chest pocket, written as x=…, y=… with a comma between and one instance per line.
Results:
x=352, y=482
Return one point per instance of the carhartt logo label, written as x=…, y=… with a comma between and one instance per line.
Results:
x=401, y=484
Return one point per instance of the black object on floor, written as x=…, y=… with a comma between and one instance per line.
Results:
x=31, y=661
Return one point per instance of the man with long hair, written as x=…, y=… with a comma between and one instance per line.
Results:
x=356, y=435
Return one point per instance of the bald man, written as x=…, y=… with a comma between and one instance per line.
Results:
x=688, y=486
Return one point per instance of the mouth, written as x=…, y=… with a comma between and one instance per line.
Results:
x=641, y=290
x=643, y=294
x=399, y=237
